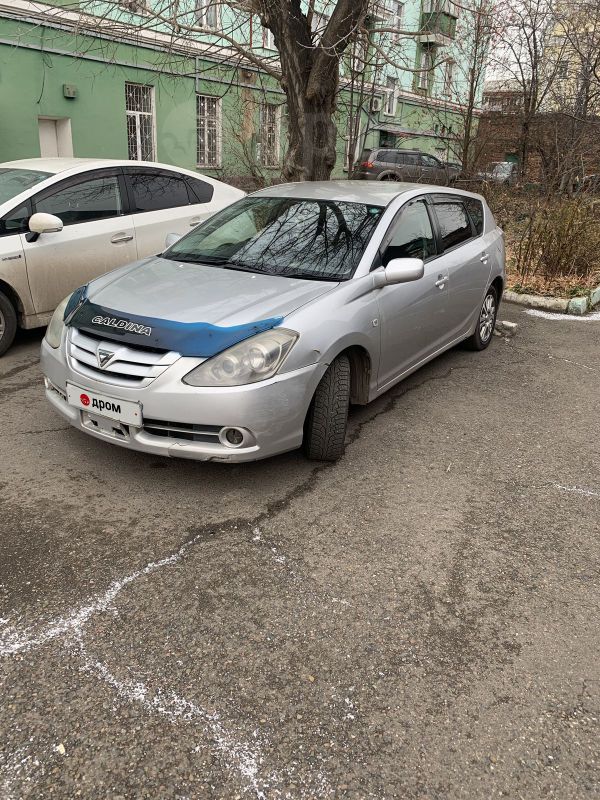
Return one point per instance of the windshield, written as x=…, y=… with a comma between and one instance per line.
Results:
x=315, y=239
x=15, y=181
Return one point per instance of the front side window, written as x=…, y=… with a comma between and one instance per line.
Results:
x=314, y=239
x=15, y=181
x=16, y=220
x=455, y=225
x=430, y=161
x=139, y=109
x=209, y=131
x=99, y=198
x=269, y=135
x=155, y=190
x=413, y=235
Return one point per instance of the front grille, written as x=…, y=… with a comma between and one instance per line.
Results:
x=182, y=430
x=130, y=366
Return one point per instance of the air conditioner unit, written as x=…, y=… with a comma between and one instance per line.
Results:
x=376, y=104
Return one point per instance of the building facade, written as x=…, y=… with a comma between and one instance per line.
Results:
x=98, y=80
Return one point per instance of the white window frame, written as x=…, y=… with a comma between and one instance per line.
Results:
x=425, y=67
x=219, y=126
x=448, y=77
x=137, y=115
x=268, y=39
x=260, y=149
x=201, y=11
x=397, y=19
x=391, y=97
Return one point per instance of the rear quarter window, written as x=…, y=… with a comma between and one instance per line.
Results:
x=200, y=191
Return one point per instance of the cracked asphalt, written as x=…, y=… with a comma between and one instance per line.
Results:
x=419, y=620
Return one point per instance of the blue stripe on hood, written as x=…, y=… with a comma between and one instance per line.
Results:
x=195, y=339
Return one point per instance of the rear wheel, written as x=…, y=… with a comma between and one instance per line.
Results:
x=327, y=418
x=8, y=323
x=486, y=322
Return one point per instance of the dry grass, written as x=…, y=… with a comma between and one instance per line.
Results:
x=552, y=243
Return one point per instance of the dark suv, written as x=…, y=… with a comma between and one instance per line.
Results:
x=385, y=164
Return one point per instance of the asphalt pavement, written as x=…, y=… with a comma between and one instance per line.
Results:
x=419, y=620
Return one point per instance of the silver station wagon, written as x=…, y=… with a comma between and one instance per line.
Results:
x=253, y=334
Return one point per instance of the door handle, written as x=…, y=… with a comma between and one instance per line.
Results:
x=121, y=237
x=196, y=221
x=485, y=258
x=441, y=281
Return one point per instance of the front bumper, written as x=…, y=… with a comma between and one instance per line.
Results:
x=271, y=413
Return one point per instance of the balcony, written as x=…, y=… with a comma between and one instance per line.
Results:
x=437, y=27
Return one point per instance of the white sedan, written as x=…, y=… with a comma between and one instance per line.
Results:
x=64, y=221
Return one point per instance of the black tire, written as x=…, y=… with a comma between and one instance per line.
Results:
x=486, y=322
x=8, y=323
x=327, y=418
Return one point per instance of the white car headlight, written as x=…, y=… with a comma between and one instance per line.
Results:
x=57, y=324
x=255, y=359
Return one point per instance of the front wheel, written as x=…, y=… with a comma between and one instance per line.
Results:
x=8, y=323
x=486, y=322
x=327, y=418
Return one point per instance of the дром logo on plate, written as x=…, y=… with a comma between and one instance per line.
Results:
x=85, y=400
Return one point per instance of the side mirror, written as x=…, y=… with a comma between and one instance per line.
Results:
x=171, y=239
x=399, y=270
x=43, y=223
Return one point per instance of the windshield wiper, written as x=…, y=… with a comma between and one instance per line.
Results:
x=311, y=276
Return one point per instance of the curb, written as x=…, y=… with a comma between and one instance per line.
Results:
x=577, y=306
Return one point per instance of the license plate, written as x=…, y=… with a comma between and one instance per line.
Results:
x=126, y=411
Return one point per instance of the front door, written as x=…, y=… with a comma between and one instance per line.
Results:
x=412, y=315
x=96, y=238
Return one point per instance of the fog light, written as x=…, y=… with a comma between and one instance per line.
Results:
x=234, y=437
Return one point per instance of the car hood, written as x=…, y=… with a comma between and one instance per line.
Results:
x=189, y=293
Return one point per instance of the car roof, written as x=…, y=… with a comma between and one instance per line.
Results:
x=56, y=165
x=376, y=193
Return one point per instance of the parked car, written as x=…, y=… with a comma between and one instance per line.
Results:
x=64, y=221
x=385, y=164
x=253, y=334
x=502, y=172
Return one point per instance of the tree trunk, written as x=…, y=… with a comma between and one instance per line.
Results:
x=311, y=153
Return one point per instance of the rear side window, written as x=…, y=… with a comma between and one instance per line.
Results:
x=201, y=192
x=455, y=225
x=155, y=190
x=86, y=201
x=475, y=209
x=413, y=234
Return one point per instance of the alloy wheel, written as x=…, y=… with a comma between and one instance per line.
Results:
x=487, y=318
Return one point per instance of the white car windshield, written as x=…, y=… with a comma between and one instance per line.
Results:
x=315, y=239
x=15, y=181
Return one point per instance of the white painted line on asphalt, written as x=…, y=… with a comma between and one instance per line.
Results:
x=14, y=640
x=238, y=755
x=577, y=490
x=536, y=312
x=574, y=363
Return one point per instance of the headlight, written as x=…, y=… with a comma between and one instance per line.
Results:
x=252, y=360
x=55, y=329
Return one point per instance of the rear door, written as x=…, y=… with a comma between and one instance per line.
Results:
x=165, y=202
x=412, y=315
x=97, y=236
x=465, y=259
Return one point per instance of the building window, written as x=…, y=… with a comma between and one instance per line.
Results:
x=207, y=14
x=268, y=152
x=425, y=67
x=390, y=103
x=208, y=110
x=318, y=23
x=139, y=105
x=268, y=40
x=397, y=19
x=562, y=70
x=134, y=6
